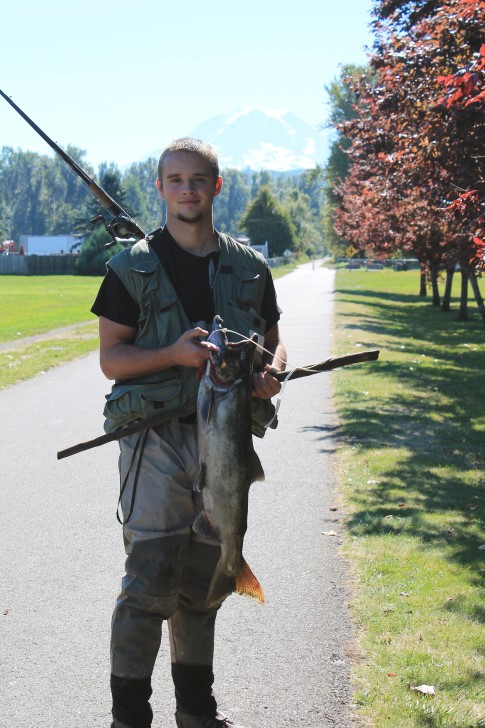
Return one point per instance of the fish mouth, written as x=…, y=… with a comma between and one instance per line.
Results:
x=219, y=378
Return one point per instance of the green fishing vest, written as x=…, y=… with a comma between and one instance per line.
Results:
x=238, y=286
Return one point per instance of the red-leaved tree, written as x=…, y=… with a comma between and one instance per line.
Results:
x=414, y=152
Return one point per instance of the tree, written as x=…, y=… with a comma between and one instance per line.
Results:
x=266, y=220
x=93, y=255
x=232, y=201
x=408, y=155
x=342, y=100
x=110, y=179
x=141, y=194
x=308, y=236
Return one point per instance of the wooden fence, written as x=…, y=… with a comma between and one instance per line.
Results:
x=38, y=265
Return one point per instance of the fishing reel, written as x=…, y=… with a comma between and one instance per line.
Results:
x=121, y=228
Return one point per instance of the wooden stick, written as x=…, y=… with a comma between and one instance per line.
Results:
x=335, y=362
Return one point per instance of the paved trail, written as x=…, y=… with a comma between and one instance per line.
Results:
x=277, y=666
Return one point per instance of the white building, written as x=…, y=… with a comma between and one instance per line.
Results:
x=46, y=244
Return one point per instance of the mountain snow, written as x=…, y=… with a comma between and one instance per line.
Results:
x=255, y=138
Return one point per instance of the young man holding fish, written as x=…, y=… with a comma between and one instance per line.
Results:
x=155, y=307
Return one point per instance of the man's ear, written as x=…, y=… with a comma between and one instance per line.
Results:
x=218, y=187
x=158, y=182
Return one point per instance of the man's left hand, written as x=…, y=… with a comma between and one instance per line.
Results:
x=264, y=384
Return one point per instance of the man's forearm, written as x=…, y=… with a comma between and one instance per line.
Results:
x=127, y=361
x=279, y=357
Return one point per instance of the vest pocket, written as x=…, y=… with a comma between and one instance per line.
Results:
x=248, y=288
x=244, y=321
x=129, y=402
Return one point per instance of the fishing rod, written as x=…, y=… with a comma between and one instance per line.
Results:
x=122, y=227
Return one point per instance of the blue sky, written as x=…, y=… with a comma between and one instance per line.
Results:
x=120, y=79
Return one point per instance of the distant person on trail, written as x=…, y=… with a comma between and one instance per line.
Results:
x=155, y=307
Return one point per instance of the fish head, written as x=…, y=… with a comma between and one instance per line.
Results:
x=232, y=363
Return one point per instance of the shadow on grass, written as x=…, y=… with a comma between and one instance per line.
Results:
x=432, y=411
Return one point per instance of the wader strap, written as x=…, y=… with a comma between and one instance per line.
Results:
x=141, y=439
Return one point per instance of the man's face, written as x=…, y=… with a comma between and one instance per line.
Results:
x=188, y=187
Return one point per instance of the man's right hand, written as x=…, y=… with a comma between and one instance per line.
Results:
x=121, y=359
x=191, y=349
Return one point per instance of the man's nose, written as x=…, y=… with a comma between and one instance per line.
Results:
x=188, y=186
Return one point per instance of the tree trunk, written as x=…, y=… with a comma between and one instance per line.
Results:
x=422, y=283
x=445, y=303
x=433, y=272
x=463, y=312
x=477, y=294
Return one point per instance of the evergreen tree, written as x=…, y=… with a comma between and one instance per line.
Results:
x=231, y=202
x=93, y=256
x=266, y=220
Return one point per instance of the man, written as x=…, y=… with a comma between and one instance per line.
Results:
x=155, y=307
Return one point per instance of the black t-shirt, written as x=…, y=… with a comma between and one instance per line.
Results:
x=189, y=275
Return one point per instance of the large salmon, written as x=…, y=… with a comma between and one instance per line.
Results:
x=228, y=463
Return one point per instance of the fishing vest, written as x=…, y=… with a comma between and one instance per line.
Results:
x=238, y=287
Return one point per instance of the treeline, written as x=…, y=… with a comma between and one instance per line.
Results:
x=40, y=195
x=406, y=174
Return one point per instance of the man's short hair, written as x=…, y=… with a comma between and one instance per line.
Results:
x=195, y=146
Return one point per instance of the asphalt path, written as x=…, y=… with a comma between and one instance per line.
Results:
x=278, y=665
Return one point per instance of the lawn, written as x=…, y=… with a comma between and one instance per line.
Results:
x=36, y=304
x=33, y=305
x=411, y=469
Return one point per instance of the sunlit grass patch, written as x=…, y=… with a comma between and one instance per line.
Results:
x=24, y=362
x=36, y=304
x=411, y=467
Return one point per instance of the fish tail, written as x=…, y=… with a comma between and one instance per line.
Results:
x=248, y=585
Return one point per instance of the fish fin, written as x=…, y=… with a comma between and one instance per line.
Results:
x=202, y=526
x=199, y=481
x=257, y=472
x=248, y=585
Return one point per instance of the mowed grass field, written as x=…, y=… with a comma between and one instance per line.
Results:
x=33, y=305
x=411, y=468
x=37, y=304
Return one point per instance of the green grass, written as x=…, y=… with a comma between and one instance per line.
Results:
x=36, y=304
x=25, y=362
x=33, y=305
x=411, y=468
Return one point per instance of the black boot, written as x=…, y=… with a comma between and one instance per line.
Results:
x=199, y=721
x=131, y=707
x=193, y=689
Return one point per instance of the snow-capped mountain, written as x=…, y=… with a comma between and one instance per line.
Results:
x=257, y=138
x=250, y=138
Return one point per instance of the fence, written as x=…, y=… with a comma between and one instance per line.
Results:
x=380, y=263
x=38, y=265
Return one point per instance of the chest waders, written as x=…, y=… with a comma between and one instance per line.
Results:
x=168, y=569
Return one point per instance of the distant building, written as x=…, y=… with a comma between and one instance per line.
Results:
x=263, y=249
x=48, y=244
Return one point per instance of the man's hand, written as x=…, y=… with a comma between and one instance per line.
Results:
x=190, y=350
x=121, y=359
x=264, y=384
